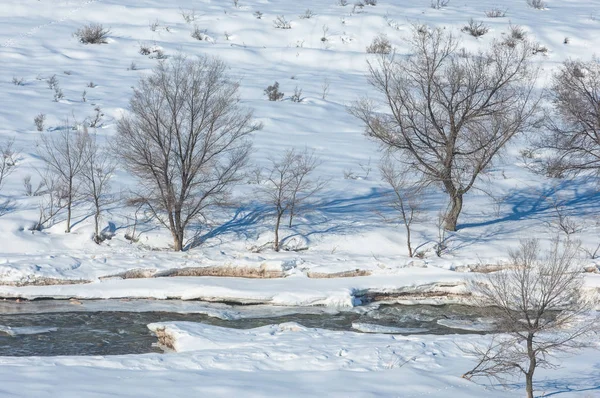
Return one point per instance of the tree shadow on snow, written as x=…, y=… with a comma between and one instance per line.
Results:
x=581, y=199
x=325, y=216
x=556, y=387
x=242, y=223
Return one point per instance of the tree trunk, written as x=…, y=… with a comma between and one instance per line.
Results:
x=97, y=226
x=177, y=241
x=291, y=216
x=408, y=245
x=277, y=224
x=176, y=230
x=69, y=203
x=451, y=217
x=532, y=365
x=529, y=382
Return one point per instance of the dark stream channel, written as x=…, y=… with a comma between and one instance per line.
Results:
x=35, y=329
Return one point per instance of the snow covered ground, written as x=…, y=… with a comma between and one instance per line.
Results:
x=282, y=360
x=344, y=232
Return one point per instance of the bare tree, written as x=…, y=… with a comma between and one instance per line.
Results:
x=450, y=112
x=538, y=303
x=185, y=139
x=573, y=125
x=64, y=155
x=287, y=184
x=96, y=174
x=405, y=197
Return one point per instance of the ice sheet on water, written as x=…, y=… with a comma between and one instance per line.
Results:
x=372, y=328
x=15, y=331
x=477, y=325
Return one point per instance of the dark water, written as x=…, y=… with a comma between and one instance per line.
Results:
x=118, y=332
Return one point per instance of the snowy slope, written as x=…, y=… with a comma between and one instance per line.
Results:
x=345, y=232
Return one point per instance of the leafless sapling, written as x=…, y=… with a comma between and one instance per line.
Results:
x=96, y=173
x=450, y=113
x=287, y=184
x=52, y=192
x=539, y=305
x=63, y=152
x=405, y=197
x=186, y=139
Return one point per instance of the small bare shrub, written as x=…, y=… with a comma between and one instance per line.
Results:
x=91, y=85
x=96, y=120
x=39, y=121
x=198, y=34
x=380, y=45
x=475, y=29
x=52, y=82
x=325, y=88
x=495, y=13
x=297, y=96
x=58, y=94
x=18, y=81
x=258, y=14
x=517, y=32
x=439, y=4
x=273, y=93
x=154, y=25
x=158, y=53
x=189, y=16
x=308, y=14
x=92, y=34
x=537, y=4
x=540, y=49
x=370, y=2
x=343, y=3
x=281, y=23
x=145, y=49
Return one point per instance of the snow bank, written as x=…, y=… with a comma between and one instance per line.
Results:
x=291, y=291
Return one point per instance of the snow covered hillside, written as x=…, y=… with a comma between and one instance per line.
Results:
x=325, y=52
x=342, y=250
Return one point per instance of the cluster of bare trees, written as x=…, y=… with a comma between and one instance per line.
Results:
x=186, y=140
x=446, y=114
x=77, y=168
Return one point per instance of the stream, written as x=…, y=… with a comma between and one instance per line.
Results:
x=105, y=327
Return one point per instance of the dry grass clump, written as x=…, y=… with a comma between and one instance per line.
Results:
x=165, y=340
x=342, y=274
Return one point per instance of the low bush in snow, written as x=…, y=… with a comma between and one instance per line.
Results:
x=92, y=34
